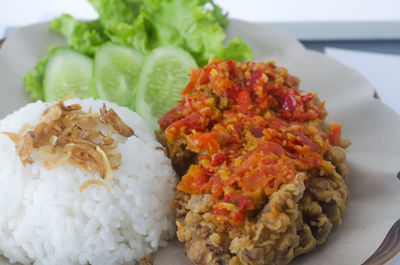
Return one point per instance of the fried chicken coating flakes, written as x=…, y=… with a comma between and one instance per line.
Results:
x=263, y=176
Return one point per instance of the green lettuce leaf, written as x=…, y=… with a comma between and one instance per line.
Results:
x=188, y=25
x=154, y=23
x=123, y=23
x=238, y=50
x=111, y=11
x=219, y=15
x=134, y=35
x=84, y=37
x=33, y=79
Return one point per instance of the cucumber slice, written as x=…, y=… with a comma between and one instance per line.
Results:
x=115, y=71
x=67, y=71
x=163, y=76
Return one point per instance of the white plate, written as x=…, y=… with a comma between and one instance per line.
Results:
x=374, y=157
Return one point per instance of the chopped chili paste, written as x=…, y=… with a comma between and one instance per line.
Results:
x=253, y=130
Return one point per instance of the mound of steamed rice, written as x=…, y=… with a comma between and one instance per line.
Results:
x=45, y=219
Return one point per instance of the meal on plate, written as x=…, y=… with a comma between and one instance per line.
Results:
x=264, y=177
x=82, y=182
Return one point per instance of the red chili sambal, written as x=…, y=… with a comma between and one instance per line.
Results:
x=253, y=131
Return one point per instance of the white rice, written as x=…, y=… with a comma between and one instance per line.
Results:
x=44, y=219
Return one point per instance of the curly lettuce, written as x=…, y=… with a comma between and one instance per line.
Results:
x=82, y=36
x=186, y=24
x=33, y=80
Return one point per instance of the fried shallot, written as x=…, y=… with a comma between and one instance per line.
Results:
x=68, y=134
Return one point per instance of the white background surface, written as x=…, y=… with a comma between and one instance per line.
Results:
x=23, y=12
x=336, y=19
x=313, y=10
